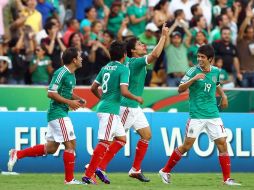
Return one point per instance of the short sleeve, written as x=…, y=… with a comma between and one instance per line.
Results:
x=141, y=61
x=124, y=76
x=188, y=75
x=98, y=78
x=56, y=82
x=130, y=11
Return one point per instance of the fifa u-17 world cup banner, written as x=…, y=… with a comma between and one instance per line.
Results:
x=24, y=98
x=24, y=129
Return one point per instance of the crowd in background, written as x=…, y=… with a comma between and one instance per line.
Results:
x=34, y=33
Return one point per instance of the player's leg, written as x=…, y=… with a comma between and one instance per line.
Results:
x=218, y=134
x=37, y=150
x=105, y=136
x=118, y=143
x=193, y=129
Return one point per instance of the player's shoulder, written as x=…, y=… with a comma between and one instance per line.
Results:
x=215, y=69
x=191, y=70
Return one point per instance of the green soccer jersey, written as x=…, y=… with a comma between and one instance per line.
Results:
x=137, y=68
x=202, y=93
x=63, y=83
x=41, y=73
x=110, y=78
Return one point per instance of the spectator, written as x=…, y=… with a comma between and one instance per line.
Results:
x=227, y=50
x=185, y=5
x=102, y=11
x=161, y=13
x=218, y=7
x=73, y=26
x=2, y=5
x=176, y=55
x=207, y=10
x=40, y=67
x=199, y=25
x=90, y=17
x=196, y=11
x=149, y=39
x=96, y=30
x=21, y=51
x=116, y=17
x=200, y=40
x=54, y=44
x=222, y=21
x=31, y=16
x=138, y=16
x=46, y=9
x=245, y=48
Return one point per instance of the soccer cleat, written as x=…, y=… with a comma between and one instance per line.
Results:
x=74, y=182
x=232, y=182
x=138, y=175
x=12, y=159
x=89, y=180
x=165, y=176
x=102, y=176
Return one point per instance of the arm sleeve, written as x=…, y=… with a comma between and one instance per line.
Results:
x=188, y=75
x=141, y=61
x=124, y=77
x=56, y=82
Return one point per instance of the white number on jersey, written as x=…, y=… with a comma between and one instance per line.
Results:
x=207, y=87
x=105, y=80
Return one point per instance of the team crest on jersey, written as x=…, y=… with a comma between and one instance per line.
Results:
x=191, y=131
x=214, y=79
x=54, y=87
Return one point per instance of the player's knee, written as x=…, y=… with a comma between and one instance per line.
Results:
x=147, y=137
x=51, y=150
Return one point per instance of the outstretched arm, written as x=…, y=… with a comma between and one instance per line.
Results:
x=155, y=54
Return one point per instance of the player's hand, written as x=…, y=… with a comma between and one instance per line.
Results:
x=199, y=76
x=224, y=102
x=239, y=76
x=74, y=104
x=82, y=102
x=165, y=30
x=140, y=100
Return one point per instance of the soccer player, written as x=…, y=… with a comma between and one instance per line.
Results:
x=60, y=128
x=130, y=112
x=113, y=79
x=203, y=81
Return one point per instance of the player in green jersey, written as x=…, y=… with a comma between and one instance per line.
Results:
x=130, y=112
x=60, y=129
x=203, y=81
x=114, y=80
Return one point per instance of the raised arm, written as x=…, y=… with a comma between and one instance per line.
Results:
x=155, y=54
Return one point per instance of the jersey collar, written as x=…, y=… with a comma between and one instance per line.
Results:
x=67, y=69
x=203, y=70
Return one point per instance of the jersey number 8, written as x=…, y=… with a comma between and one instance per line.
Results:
x=105, y=80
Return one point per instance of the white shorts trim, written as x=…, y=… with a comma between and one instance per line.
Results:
x=133, y=117
x=214, y=128
x=110, y=126
x=60, y=130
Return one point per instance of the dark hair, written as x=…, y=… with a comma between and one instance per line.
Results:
x=72, y=36
x=160, y=4
x=207, y=50
x=69, y=54
x=217, y=58
x=130, y=45
x=48, y=26
x=94, y=23
x=117, y=50
x=194, y=8
x=70, y=22
x=224, y=28
x=197, y=19
x=49, y=19
x=88, y=9
x=178, y=12
x=111, y=34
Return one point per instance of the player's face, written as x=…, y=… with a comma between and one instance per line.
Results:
x=140, y=48
x=78, y=61
x=203, y=60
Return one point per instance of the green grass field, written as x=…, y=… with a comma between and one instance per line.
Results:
x=121, y=181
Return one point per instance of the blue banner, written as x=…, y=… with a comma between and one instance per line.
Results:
x=24, y=129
